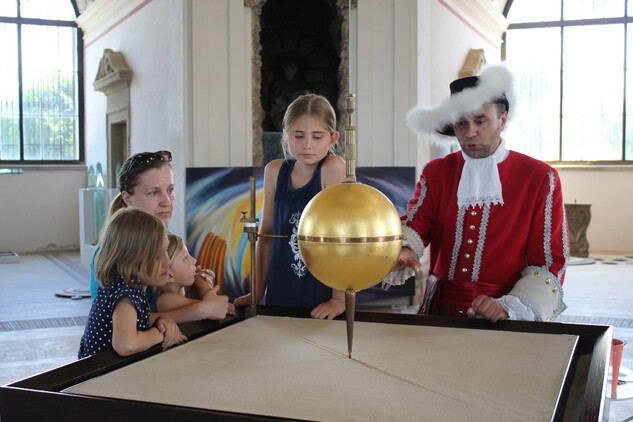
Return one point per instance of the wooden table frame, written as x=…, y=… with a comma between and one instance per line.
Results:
x=41, y=397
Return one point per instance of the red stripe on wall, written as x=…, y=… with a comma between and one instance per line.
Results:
x=119, y=22
x=468, y=24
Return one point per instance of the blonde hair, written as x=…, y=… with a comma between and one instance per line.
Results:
x=175, y=245
x=308, y=104
x=131, y=240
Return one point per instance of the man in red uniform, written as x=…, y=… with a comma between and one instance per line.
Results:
x=494, y=219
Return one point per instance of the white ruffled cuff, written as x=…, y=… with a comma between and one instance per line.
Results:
x=541, y=292
x=397, y=278
x=515, y=309
x=412, y=241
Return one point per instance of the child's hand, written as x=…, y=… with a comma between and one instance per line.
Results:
x=205, y=275
x=243, y=300
x=214, y=306
x=211, y=293
x=171, y=332
x=328, y=310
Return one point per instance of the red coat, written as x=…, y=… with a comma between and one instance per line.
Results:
x=484, y=250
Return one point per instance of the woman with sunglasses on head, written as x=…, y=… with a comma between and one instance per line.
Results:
x=146, y=181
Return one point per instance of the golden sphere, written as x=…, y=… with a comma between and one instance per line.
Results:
x=350, y=236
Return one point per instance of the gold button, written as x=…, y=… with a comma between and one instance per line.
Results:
x=460, y=312
x=555, y=289
x=548, y=280
x=464, y=270
x=469, y=241
x=472, y=227
x=555, y=309
x=537, y=274
x=547, y=319
x=466, y=255
x=473, y=213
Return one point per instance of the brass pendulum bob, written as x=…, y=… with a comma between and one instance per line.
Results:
x=350, y=234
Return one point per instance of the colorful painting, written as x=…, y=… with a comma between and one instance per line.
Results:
x=216, y=197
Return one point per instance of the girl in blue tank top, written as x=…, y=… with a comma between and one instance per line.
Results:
x=309, y=135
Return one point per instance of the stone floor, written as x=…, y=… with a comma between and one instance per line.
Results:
x=40, y=330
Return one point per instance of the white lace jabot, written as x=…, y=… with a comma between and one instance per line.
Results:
x=479, y=183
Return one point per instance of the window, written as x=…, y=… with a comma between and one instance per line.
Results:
x=571, y=59
x=40, y=82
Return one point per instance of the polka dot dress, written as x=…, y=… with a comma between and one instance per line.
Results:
x=98, y=333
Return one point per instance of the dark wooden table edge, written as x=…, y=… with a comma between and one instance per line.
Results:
x=41, y=396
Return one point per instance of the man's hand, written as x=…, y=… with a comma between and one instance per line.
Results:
x=407, y=258
x=486, y=307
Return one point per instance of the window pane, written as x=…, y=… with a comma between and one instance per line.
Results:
x=61, y=10
x=534, y=58
x=9, y=107
x=592, y=9
x=9, y=8
x=534, y=11
x=593, y=93
x=628, y=150
x=49, y=86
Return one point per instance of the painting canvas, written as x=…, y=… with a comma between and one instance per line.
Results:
x=217, y=197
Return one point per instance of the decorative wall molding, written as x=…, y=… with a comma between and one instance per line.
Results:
x=256, y=69
x=486, y=14
x=101, y=15
x=475, y=59
x=114, y=73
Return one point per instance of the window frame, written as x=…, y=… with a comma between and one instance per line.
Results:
x=562, y=24
x=19, y=21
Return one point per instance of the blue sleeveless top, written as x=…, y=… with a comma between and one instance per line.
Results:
x=289, y=283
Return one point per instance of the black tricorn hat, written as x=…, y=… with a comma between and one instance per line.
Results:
x=469, y=94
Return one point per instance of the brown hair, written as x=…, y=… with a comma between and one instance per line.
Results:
x=132, y=238
x=308, y=104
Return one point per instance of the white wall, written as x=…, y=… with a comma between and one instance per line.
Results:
x=384, y=77
x=151, y=36
x=191, y=94
x=40, y=209
x=609, y=193
x=221, y=75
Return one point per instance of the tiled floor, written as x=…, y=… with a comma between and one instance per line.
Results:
x=40, y=331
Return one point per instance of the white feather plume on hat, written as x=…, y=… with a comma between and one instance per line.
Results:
x=494, y=82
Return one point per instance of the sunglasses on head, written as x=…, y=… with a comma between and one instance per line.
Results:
x=144, y=159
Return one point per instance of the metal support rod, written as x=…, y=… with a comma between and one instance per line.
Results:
x=253, y=242
x=250, y=227
x=350, y=140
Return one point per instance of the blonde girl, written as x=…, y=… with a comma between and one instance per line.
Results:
x=309, y=136
x=132, y=256
x=174, y=295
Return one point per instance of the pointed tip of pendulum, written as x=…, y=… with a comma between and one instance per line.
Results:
x=350, y=309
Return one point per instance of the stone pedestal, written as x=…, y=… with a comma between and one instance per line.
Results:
x=578, y=218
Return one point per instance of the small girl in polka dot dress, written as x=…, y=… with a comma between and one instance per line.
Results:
x=133, y=255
